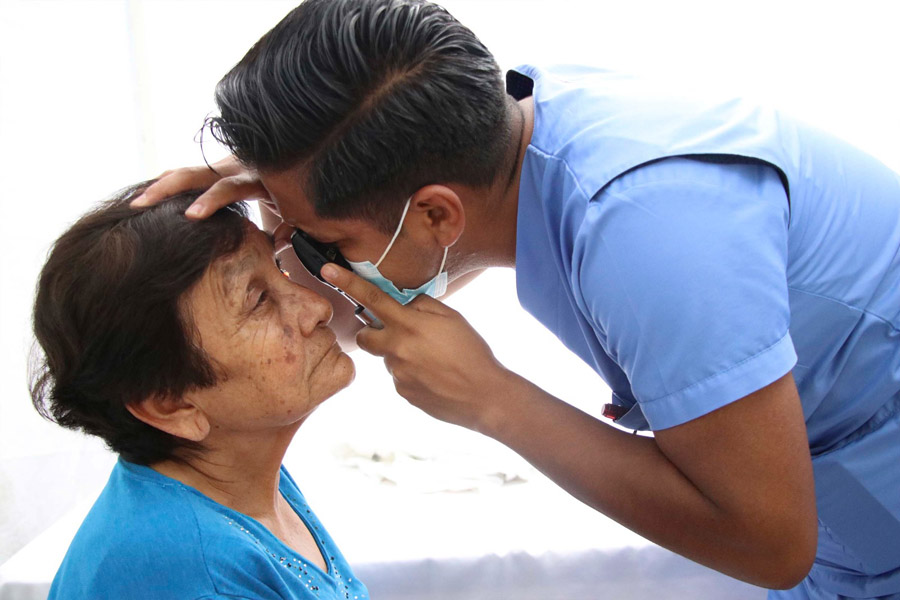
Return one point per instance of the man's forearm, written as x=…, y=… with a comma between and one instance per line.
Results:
x=630, y=479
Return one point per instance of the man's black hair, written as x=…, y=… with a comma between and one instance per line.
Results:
x=369, y=100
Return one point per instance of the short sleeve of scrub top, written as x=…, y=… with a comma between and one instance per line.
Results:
x=680, y=266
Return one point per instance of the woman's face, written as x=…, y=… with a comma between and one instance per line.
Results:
x=267, y=339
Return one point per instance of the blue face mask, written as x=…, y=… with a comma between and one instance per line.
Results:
x=435, y=287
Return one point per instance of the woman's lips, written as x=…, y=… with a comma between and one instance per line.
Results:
x=334, y=344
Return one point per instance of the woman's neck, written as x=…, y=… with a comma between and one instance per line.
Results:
x=240, y=471
x=243, y=472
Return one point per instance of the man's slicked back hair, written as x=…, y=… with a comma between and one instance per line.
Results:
x=373, y=99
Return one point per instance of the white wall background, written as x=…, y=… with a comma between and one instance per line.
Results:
x=95, y=95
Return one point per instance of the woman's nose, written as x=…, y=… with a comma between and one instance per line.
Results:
x=313, y=310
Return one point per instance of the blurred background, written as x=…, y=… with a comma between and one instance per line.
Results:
x=96, y=95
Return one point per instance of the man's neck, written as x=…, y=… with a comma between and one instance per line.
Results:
x=497, y=223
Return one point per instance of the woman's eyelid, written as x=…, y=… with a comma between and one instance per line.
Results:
x=255, y=293
x=267, y=289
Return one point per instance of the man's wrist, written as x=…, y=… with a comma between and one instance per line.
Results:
x=502, y=400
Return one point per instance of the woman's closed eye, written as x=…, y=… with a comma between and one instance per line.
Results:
x=265, y=296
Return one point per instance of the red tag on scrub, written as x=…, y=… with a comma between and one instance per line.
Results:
x=614, y=411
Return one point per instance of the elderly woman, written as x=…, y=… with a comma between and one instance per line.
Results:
x=186, y=349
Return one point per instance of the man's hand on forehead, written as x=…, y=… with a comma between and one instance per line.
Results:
x=226, y=182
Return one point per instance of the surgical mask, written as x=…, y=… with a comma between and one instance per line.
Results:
x=435, y=287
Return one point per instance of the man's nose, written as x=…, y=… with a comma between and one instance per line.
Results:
x=282, y=236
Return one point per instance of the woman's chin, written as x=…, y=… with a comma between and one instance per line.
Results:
x=345, y=369
x=339, y=372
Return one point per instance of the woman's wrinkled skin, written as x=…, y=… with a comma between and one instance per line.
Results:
x=268, y=338
x=276, y=360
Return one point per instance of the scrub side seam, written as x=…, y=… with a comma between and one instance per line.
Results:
x=894, y=327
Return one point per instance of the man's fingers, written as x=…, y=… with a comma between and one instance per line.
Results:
x=372, y=341
x=425, y=303
x=219, y=192
x=224, y=192
x=380, y=304
x=174, y=182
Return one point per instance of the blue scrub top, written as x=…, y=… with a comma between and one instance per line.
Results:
x=694, y=252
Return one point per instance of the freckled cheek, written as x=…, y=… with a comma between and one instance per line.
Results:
x=279, y=359
x=285, y=358
x=291, y=353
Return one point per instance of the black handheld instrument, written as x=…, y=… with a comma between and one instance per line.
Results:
x=314, y=255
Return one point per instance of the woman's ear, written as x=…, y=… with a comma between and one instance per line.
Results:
x=175, y=416
x=440, y=212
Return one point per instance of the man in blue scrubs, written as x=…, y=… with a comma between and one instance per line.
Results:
x=732, y=274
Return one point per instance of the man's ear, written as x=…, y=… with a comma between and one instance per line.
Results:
x=440, y=210
x=175, y=416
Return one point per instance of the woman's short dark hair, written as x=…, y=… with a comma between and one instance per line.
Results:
x=374, y=98
x=109, y=316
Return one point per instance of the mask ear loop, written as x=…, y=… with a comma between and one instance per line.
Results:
x=444, y=260
x=396, y=233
